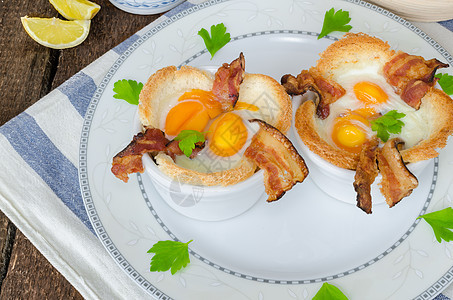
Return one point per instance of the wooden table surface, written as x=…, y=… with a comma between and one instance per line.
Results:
x=29, y=71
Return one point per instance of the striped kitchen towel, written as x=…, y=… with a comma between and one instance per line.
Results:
x=40, y=191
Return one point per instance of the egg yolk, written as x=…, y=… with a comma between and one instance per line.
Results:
x=193, y=112
x=349, y=132
x=227, y=135
x=207, y=98
x=186, y=115
x=370, y=93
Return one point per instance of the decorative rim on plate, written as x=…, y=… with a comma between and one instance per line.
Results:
x=296, y=281
x=83, y=172
x=145, y=7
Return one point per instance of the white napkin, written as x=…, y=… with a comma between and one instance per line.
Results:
x=40, y=193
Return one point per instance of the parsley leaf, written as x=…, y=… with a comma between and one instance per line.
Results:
x=128, y=90
x=187, y=140
x=442, y=222
x=335, y=21
x=387, y=124
x=169, y=255
x=219, y=38
x=445, y=82
x=329, y=292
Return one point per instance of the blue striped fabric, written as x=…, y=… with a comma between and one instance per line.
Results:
x=441, y=297
x=79, y=89
x=35, y=147
x=447, y=24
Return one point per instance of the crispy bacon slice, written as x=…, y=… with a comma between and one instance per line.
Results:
x=275, y=154
x=328, y=91
x=129, y=160
x=397, y=181
x=412, y=76
x=365, y=174
x=227, y=80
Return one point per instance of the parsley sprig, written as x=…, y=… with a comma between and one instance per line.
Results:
x=388, y=123
x=128, y=90
x=218, y=38
x=445, y=82
x=335, y=21
x=169, y=255
x=187, y=140
x=329, y=292
x=442, y=223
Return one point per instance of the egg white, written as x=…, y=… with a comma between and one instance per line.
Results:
x=417, y=123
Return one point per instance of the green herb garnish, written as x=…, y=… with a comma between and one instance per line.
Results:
x=329, y=292
x=187, y=140
x=442, y=222
x=128, y=90
x=445, y=82
x=387, y=124
x=219, y=38
x=169, y=255
x=335, y=21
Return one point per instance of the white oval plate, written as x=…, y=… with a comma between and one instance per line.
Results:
x=281, y=250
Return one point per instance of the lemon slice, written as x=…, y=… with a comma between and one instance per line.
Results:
x=76, y=9
x=56, y=33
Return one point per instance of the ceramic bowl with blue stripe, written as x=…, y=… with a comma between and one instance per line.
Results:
x=146, y=7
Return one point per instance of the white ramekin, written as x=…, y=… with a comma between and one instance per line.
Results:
x=338, y=182
x=206, y=203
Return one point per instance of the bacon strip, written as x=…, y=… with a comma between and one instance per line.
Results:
x=274, y=153
x=129, y=160
x=412, y=76
x=397, y=181
x=365, y=174
x=226, y=83
x=328, y=91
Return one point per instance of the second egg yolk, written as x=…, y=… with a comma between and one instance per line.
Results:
x=227, y=135
x=370, y=93
x=349, y=133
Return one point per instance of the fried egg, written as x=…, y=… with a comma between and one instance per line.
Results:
x=227, y=138
x=368, y=96
x=227, y=134
x=174, y=99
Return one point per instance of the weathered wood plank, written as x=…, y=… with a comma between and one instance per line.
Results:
x=7, y=235
x=25, y=66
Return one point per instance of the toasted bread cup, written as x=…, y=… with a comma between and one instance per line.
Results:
x=164, y=87
x=354, y=51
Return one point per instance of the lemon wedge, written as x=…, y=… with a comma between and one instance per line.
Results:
x=76, y=9
x=56, y=33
